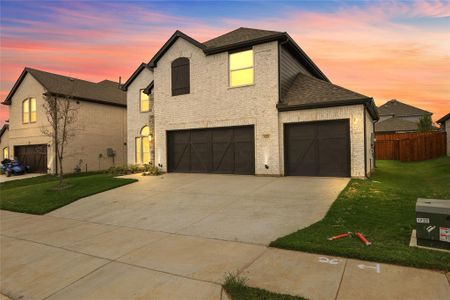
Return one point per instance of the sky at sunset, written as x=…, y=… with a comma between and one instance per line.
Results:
x=383, y=49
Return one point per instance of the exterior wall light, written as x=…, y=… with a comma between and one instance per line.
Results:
x=266, y=166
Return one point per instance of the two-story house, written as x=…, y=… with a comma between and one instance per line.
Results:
x=99, y=139
x=247, y=102
x=397, y=117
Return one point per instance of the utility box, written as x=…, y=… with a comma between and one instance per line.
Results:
x=433, y=223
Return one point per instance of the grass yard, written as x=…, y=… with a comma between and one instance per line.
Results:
x=383, y=209
x=38, y=195
x=238, y=290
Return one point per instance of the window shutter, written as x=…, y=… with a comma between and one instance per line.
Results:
x=180, y=76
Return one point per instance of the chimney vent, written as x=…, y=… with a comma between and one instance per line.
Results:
x=120, y=82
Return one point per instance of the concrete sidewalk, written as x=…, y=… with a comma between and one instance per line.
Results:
x=47, y=257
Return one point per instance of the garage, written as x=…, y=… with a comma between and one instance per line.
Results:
x=225, y=150
x=34, y=156
x=317, y=148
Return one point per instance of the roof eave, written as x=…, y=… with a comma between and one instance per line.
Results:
x=133, y=76
x=275, y=37
x=443, y=119
x=306, y=59
x=87, y=99
x=178, y=34
x=367, y=102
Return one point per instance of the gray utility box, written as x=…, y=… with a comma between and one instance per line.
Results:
x=433, y=223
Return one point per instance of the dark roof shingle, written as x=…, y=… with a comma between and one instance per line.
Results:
x=105, y=91
x=394, y=125
x=239, y=35
x=399, y=109
x=309, y=92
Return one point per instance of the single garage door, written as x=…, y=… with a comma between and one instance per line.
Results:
x=227, y=150
x=317, y=148
x=34, y=156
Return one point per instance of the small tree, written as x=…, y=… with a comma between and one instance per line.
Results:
x=62, y=115
x=425, y=124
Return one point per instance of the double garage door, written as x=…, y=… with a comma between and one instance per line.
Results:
x=228, y=150
x=34, y=156
x=310, y=149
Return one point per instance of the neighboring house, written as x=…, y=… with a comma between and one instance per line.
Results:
x=100, y=135
x=247, y=102
x=4, y=140
x=397, y=117
x=444, y=122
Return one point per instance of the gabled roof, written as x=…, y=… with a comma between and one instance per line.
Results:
x=135, y=74
x=395, y=124
x=237, y=39
x=103, y=92
x=443, y=119
x=3, y=130
x=178, y=34
x=308, y=92
x=399, y=109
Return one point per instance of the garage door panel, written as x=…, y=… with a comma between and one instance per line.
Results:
x=332, y=161
x=227, y=150
x=317, y=148
x=200, y=151
x=245, y=158
x=302, y=157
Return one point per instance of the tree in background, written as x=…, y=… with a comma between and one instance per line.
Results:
x=425, y=124
x=61, y=112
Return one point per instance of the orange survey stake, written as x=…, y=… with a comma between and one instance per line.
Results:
x=339, y=236
x=363, y=239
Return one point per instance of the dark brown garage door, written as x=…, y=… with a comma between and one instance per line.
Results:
x=317, y=148
x=228, y=150
x=34, y=156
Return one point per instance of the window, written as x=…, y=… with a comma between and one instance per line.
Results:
x=144, y=101
x=241, y=68
x=143, y=146
x=180, y=76
x=5, y=153
x=29, y=110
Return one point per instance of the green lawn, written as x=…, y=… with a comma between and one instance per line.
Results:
x=238, y=290
x=383, y=209
x=39, y=195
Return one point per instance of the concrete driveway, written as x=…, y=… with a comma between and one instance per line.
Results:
x=227, y=207
x=176, y=236
x=4, y=178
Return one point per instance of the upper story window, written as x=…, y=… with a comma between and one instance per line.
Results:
x=29, y=110
x=180, y=76
x=5, y=153
x=241, y=68
x=144, y=101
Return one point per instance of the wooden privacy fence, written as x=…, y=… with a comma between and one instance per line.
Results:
x=410, y=146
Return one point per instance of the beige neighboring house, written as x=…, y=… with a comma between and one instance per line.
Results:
x=247, y=102
x=100, y=136
x=444, y=122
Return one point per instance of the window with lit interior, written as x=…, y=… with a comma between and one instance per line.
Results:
x=29, y=110
x=144, y=101
x=143, y=146
x=5, y=153
x=241, y=68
